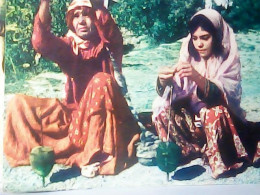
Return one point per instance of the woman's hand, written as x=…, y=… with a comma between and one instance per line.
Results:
x=44, y=11
x=96, y=4
x=186, y=70
x=166, y=74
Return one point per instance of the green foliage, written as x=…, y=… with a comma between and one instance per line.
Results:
x=243, y=15
x=162, y=20
x=20, y=58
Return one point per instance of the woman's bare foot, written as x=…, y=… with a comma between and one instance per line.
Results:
x=91, y=170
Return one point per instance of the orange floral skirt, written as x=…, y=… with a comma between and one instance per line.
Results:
x=101, y=125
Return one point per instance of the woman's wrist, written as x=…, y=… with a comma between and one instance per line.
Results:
x=196, y=77
x=161, y=82
x=44, y=12
x=159, y=87
x=199, y=80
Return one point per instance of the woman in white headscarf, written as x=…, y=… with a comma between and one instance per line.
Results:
x=204, y=91
x=92, y=127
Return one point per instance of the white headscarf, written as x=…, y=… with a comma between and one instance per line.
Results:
x=77, y=41
x=224, y=71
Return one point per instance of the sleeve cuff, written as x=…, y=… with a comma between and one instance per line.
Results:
x=159, y=88
x=211, y=95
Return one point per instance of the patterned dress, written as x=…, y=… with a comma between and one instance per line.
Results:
x=93, y=122
x=217, y=140
x=209, y=122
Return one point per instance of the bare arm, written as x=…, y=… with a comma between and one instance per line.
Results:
x=50, y=46
x=44, y=11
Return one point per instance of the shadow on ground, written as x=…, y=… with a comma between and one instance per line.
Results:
x=65, y=174
x=188, y=173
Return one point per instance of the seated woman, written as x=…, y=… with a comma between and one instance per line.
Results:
x=93, y=124
x=203, y=92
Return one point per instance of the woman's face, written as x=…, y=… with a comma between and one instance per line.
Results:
x=202, y=41
x=82, y=24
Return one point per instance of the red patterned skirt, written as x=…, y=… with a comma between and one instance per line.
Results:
x=218, y=139
x=100, y=126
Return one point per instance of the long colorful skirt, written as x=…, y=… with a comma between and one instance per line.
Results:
x=216, y=140
x=100, y=126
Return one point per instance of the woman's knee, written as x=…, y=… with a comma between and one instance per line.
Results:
x=22, y=103
x=16, y=101
x=213, y=113
x=217, y=109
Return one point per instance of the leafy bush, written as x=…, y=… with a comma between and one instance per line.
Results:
x=21, y=60
x=162, y=20
x=243, y=14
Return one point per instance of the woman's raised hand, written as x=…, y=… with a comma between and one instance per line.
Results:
x=44, y=11
x=166, y=74
x=97, y=3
